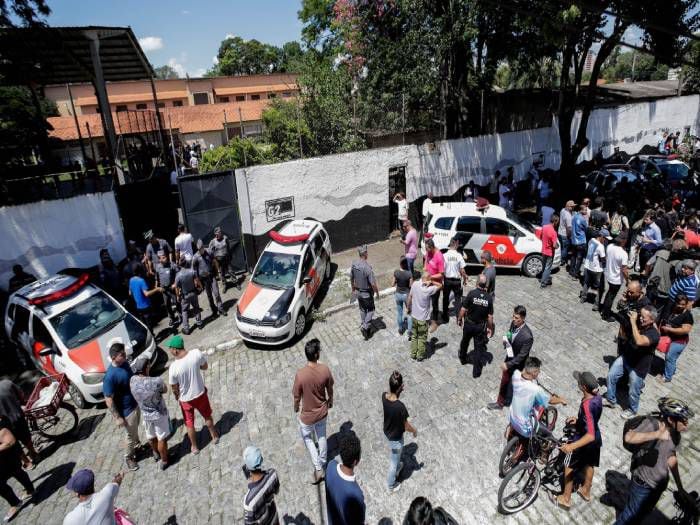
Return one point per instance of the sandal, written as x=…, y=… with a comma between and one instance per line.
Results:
x=555, y=499
x=588, y=499
x=11, y=515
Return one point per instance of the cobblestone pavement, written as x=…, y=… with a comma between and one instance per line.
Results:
x=453, y=461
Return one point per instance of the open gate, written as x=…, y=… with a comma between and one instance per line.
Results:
x=210, y=200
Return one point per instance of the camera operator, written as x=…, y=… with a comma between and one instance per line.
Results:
x=633, y=300
x=635, y=360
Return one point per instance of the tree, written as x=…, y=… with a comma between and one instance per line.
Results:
x=291, y=57
x=286, y=130
x=28, y=12
x=634, y=65
x=165, y=72
x=246, y=57
x=239, y=152
x=691, y=75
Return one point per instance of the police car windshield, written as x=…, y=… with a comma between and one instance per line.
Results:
x=87, y=320
x=673, y=171
x=520, y=222
x=276, y=270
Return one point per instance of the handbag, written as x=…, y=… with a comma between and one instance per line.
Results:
x=664, y=344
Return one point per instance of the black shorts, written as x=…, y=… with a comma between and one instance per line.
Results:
x=20, y=429
x=588, y=456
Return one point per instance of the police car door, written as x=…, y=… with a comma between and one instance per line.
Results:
x=319, y=264
x=503, y=241
x=470, y=236
x=52, y=363
x=306, y=276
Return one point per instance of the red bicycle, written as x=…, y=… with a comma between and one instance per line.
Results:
x=47, y=413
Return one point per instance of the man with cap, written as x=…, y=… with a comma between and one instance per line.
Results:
x=455, y=277
x=594, y=265
x=564, y=230
x=203, y=265
x=364, y=287
x=93, y=507
x=120, y=402
x=219, y=248
x=187, y=285
x=148, y=393
x=153, y=246
x=165, y=280
x=476, y=318
x=585, y=448
x=183, y=243
x=187, y=384
x=259, y=502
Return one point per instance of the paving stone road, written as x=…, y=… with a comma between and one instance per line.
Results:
x=453, y=461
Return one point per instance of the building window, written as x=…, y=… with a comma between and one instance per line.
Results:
x=271, y=95
x=240, y=98
x=254, y=97
x=122, y=107
x=161, y=105
x=286, y=94
x=223, y=99
x=177, y=103
x=200, y=98
x=141, y=106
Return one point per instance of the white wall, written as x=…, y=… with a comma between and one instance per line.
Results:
x=204, y=138
x=48, y=236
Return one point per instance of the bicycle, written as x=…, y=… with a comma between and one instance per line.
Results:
x=544, y=466
x=515, y=448
x=53, y=419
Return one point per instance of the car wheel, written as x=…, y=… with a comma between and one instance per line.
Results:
x=533, y=265
x=300, y=323
x=76, y=396
x=327, y=272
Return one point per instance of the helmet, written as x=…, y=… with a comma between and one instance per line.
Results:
x=674, y=408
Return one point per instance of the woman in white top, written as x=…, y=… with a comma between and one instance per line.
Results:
x=402, y=203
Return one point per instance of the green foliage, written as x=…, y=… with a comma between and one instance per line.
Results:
x=27, y=12
x=165, y=72
x=620, y=66
x=237, y=56
x=236, y=154
x=691, y=75
x=21, y=128
x=284, y=126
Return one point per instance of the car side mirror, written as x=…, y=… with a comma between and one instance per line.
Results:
x=46, y=351
x=306, y=280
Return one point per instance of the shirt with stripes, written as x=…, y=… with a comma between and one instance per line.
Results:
x=259, y=502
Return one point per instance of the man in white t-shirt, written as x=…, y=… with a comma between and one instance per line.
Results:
x=94, y=508
x=455, y=276
x=402, y=203
x=426, y=204
x=594, y=264
x=194, y=163
x=183, y=243
x=616, y=261
x=187, y=383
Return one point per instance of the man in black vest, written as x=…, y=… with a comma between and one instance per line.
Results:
x=476, y=319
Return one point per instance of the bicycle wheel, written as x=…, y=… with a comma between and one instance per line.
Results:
x=519, y=488
x=511, y=456
x=549, y=418
x=61, y=424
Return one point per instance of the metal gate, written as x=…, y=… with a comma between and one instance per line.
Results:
x=210, y=200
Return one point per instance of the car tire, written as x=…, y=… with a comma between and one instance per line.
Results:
x=533, y=265
x=76, y=396
x=300, y=323
x=327, y=271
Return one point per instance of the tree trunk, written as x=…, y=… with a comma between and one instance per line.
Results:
x=564, y=113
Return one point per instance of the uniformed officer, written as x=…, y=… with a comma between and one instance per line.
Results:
x=203, y=266
x=186, y=286
x=364, y=286
x=476, y=319
x=165, y=278
x=455, y=276
x=218, y=247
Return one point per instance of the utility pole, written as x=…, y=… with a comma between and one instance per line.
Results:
x=240, y=120
x=301, y=148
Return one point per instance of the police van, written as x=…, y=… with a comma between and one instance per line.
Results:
x=284, y=283
x=66, y=325
x=512, y=241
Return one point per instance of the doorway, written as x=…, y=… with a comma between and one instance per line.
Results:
x=397, y=184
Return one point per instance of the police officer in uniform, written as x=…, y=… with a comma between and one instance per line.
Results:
x=187, y=286
x=218, y=247
x=165, y=279
x=454, y=277
x=476, y=319
x=364, y=286
x=203, y=266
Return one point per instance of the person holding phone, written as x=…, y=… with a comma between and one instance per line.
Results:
x=93, y=507
x=259, y=502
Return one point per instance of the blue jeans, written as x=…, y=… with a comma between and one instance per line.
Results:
x=640, y=500
x=396, y=448
x=547, y=272
x=674, y=352
x=410, y=262
x=636, y=383
x=564, y=244
x=402, y=318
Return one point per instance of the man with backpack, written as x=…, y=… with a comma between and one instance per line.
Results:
x=653, y=439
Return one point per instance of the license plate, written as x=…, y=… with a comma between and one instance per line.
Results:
x=257, y=333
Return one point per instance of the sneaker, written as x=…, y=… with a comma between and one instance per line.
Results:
x=494, y=406
x=399, y=468
x=186, y=331
x=200, y=324
x=395, y=488
x=608, y=404
x=131, y=463
x=163, y=465
x=223, y=312
x=171, y=323
x=317, y=477
x=627, y=414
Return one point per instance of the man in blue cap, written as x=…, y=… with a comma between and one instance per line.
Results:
x=92, y=507
x=259, y=502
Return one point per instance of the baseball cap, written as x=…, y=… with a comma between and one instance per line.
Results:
x=362, y=249
x=252, y=457
x=138, y=365
x=603, y=232
x=587, y=379
x=569, y=203
x=176, y=342
x=82, y=482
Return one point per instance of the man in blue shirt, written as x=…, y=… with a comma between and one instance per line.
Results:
x=344, y=499
x=120, y=402
x=651, y=240
x=686, y=283
x=579, y=224
x=138, y=290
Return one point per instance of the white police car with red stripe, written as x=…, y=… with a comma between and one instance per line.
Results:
x=67, y=325
x=512, y=241
x=284, y=283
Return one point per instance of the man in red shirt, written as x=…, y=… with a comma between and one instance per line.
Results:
x=550, y=242
x=435, y=265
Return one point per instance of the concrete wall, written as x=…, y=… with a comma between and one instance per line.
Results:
x=48, y=236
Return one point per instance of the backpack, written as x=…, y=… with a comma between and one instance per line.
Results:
x=442, y=517
x=644, y=453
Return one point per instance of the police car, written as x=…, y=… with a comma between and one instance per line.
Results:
x=512, y=241
x=286, y=278
x=67, y=325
